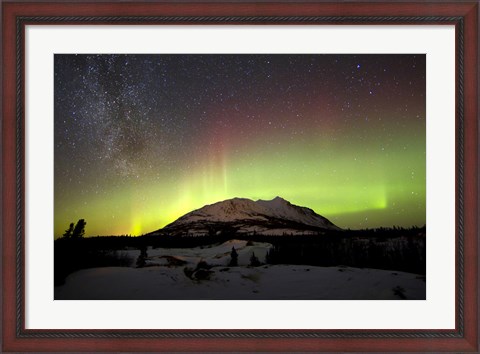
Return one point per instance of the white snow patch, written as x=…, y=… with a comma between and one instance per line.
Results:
x=242, y=283
x=165, y=278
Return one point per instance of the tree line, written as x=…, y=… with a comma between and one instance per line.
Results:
x=401, y=249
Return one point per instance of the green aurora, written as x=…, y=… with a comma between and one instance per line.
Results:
x=352, y=151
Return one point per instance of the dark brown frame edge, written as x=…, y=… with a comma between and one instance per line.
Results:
x=464, y=15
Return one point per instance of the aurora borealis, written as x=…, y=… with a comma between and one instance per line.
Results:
x=141, y=140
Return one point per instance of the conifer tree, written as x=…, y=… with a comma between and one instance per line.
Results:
x=68, y=233
x=234, y=258
x=79, y=229
x=254, y=262
x=141, y=260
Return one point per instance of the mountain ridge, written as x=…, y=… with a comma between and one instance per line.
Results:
x=245, y=216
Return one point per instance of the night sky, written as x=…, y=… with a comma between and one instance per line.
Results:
x=142, y=139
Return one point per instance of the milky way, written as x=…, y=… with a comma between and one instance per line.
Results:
x=142, y=139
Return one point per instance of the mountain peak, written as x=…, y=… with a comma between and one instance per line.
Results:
x=270, y=217
x=277, y=200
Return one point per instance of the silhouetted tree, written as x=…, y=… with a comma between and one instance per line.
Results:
x=141, y=260
x=68, y=233
x=269, y=256
x=254, y=262
x=79, y=229
x=234, y=258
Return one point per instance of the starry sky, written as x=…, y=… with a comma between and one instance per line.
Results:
x=142, y=139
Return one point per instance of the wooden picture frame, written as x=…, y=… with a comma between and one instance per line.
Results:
x=17, y=14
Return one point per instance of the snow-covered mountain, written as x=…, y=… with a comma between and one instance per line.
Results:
x=240, y=215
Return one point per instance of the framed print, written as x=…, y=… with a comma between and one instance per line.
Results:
x=240, y=176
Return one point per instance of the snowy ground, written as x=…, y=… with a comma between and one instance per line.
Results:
x=170, y=274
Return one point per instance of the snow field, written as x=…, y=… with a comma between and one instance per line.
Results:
x=164, y=277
